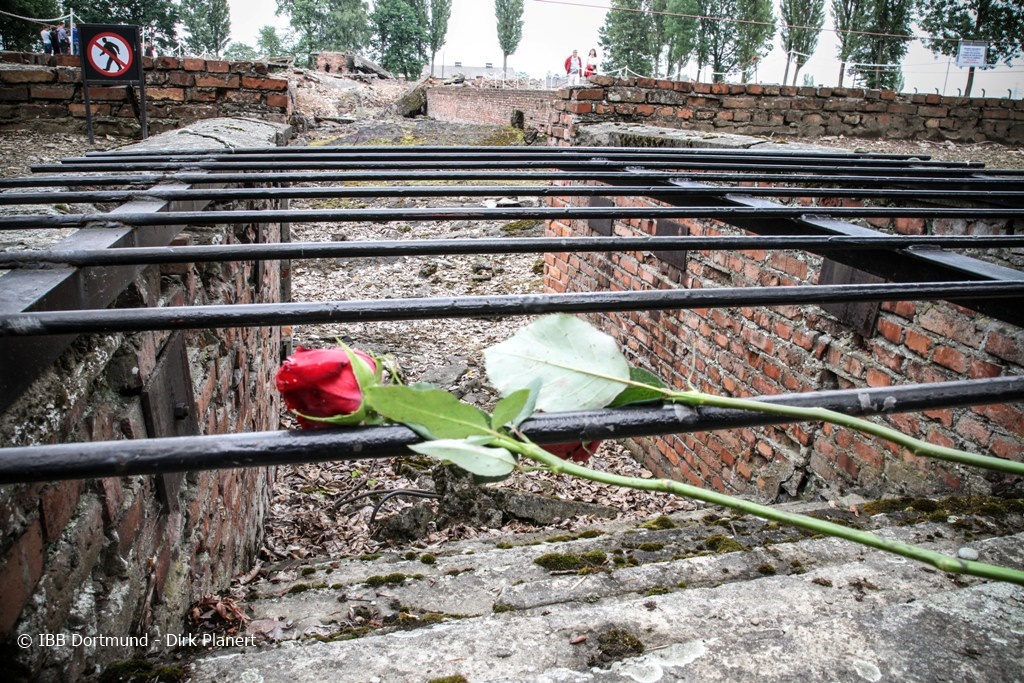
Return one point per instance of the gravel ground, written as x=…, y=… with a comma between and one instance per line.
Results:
x=311, y=514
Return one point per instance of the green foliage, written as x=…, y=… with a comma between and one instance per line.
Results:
x=509, y=14
x=801, y=26
x=430, y=412
x=19, y=34
x=440, y=12
x=625, y=38
x=348, y=26
x=159, y=15
x=400, y=36
x=882, y=49
x=850, y=18
x=208, y=24
x=240, y=52
x=681, y=32
x=479, y=460
x=736, y=34
x=999, y=22
x=270, y=44
x=578, y=366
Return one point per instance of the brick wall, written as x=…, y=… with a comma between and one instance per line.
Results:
x=489, y=105
x=749, y=352
x=786, y=111
x=41, y=91
x=106, y=556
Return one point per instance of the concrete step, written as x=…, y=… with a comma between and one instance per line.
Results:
x=715, y=598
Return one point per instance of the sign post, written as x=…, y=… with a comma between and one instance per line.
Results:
x=111, y=55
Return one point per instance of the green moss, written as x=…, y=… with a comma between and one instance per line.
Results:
x=457, y=678
x=723, y=544
x=390, y=579
x=590, y=533
x=427, y=558
x=306, y=571
x=411, y=555
x=822, y=581
x=503, y=545
x=369, y=557
x=141, y=671
x=659, y=523
x=500, y=607
x=521, y=225
x=650, y=547
x=505, y=137
x=657, y=590
x=767, y=569
x=560, y=539
x=682, y=584
x=615, y=644
x=572, y=561
x=303, y=587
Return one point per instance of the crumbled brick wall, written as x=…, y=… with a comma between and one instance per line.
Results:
x=43, y=91
x=101, y=556
x=775, y=110
x=489, y=105
x=748, y=352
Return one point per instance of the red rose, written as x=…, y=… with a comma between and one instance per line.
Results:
x=320, y=383
x=577, y=452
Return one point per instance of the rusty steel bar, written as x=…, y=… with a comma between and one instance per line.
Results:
x=256, y=315
x=507, y=245
x=190, y=453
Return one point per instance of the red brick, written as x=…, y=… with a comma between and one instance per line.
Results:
x=264, y=83
x=166, y=94
x=950, y=358
x=20, y=571
x=52, y=92
x=57, y=505
x=27, y=76
x=194, y=64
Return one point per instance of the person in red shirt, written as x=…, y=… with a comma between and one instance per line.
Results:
x=591, y=68
x=574, y=68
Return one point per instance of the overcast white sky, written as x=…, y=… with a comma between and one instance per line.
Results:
x=553, y=28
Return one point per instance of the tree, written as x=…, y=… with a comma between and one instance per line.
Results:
x=801, y=26
x=160, y=17
x=440, y=12
x=208, y=23
x=348, y=26
x=1000, y=23
x=270, y=44
x=509, y=14
x=850, y=17
x=885, y=44
x=734, y=35
x=625, y=38
x=400, y=37
x=22, y=35
x=240, y=52
x=681, y=25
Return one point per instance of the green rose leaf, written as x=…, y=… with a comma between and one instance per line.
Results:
x=479, y=460
x=578, y=366
x=631, y=395
x=516, y=407
x=431, y=413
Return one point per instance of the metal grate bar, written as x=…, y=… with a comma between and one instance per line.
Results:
x=511, y=245
x=722, y=213
x=256, y=315
x=179, y=454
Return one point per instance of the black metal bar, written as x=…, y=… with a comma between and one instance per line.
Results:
x=501, y=150
x=980, y=180
x=727, y=214
x=255, y=315
x=509, y=245
x=241, y=194
x=260, y=449
x=521, y=155
x=580, y=166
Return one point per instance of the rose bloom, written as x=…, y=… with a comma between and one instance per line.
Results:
x=577, y=452
x=320, y=383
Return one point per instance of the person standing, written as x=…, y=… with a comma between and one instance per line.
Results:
x=591, y=68
x=63, y=40
x=47, y=43
x=573, y=68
